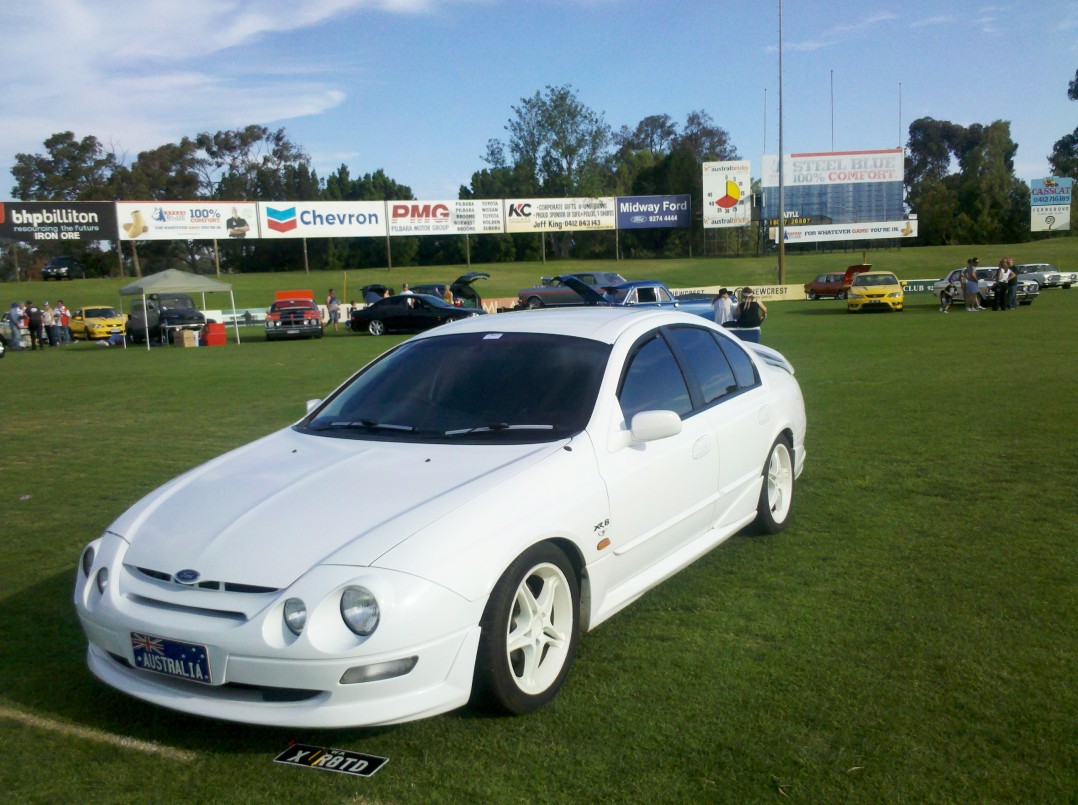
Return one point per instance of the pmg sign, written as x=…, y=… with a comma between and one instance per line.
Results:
x=450, y=217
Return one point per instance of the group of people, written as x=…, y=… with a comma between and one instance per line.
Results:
x=1004, y=288
x=48, y=325
x=746, y=314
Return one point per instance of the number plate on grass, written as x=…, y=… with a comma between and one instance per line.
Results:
x=171, y=657
x=326, y=759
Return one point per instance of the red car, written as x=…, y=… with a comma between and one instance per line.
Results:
x=835, y=285
x=293, y=314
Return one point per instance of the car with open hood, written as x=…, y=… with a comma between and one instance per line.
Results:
x=834, y=284
x=462, y=288
x=484, y=494
x=555, y=292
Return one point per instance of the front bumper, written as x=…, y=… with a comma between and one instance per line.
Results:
x=260, y=672
x=856, y=305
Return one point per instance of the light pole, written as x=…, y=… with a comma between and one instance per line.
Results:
x=782, y=182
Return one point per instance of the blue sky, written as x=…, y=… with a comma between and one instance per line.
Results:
x=417, y=87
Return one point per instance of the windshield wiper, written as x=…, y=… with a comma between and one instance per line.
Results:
x=368, y=424
x=496, y=426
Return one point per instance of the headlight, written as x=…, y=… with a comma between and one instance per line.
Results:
x=359, y=610
x=855, y=295
x=87, y=561
x=102, y=579
x=295, y=615
x=895, y=295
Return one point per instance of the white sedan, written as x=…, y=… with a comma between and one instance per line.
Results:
x=443, y=527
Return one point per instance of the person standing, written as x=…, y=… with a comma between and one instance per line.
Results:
x=333, y=307
x=35, y=324
x=65, y=321
x=1012, y=285
x=999, y=287
x=724, y=307
x=50, y=321
x=971, y=287
x=14, y=322
x=750, y=312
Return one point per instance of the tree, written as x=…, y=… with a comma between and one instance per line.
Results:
x=248, y=163
x=981, y=201
x=1064, y=156
x=72, y=170
x=562, y=141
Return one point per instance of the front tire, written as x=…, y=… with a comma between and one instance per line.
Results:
x=376, y=327
x=529, y=633
x=534, y=302
x=840, y=295
x=777, y=490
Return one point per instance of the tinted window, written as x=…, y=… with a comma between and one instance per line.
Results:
x=744, y=368
x=653, y=382
x=706, y=361
x=470, y=388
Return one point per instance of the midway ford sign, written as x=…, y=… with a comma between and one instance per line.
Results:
x=651, y=212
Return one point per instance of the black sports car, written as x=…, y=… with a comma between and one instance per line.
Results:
x=406, y=313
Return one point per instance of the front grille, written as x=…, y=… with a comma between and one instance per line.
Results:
x=217, y=586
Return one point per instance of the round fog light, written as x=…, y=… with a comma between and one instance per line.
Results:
x=295, y=615
x=102, y=579
x=359, y=610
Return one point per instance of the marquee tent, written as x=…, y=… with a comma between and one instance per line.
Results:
x=174, y=281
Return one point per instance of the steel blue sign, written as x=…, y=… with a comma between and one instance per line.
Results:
x=1051, y=190
x=652, y=212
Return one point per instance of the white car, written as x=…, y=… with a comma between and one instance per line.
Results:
x=1025, y=291
x=445, y=524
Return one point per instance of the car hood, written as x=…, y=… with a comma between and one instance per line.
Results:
x=265, y=513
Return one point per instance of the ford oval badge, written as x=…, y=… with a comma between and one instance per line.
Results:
x=187, y=576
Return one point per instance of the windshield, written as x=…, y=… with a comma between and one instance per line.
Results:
x=174, y=302
x=875, y=279
x=469, y=388
x=101, y=313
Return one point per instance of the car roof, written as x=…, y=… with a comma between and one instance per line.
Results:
x=604, y=324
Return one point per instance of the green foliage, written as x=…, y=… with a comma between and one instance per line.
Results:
x=911, y=637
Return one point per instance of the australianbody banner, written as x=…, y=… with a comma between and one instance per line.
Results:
x=186, y=220
x=58, y=220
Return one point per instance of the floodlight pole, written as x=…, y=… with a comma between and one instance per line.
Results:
x=782, y=184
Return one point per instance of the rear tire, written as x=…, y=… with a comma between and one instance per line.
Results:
x=534, y=302
x=376, y=327
x=529, y=633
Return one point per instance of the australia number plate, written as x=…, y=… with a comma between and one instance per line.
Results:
x=173, y=658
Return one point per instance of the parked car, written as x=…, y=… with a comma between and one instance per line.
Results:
x=406, y=313
x=836, y=284
x=63, y=268
x=162, y=315
x=875, y=290
x=464, y=295
x=96, y=322
x=638, y=293
x=1045, y=275
x=1026, y=290
x=372, y=293
x=294, y=314
x=553, y=291
x=499, y=486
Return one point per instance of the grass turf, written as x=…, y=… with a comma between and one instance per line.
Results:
x=910, y=637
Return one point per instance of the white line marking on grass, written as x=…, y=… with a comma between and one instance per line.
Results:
x=89, y=734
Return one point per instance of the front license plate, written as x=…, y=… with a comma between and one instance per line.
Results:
x=171, y=657
x=291, y=331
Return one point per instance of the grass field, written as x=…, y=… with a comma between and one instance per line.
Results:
x=910, y=638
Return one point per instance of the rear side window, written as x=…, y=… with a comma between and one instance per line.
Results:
x=653, y=381
x=744, y=368
x=706, y=361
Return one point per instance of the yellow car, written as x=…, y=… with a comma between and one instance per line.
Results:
x=875, y=290
x=96, y=322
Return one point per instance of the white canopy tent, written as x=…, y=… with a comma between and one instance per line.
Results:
x=175, y=281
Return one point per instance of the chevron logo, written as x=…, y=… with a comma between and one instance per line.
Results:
x=281, y=220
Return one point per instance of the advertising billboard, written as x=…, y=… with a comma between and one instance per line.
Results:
x=559, y=214
x=654, y=212
x=186, y=220
x=322, y=219
x=1050, y=204
x=461, y=217
x=835, y=167
x=58, y=220
x=727, y=190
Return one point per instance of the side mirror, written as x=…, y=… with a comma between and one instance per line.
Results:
x=647, y=426
x=312, y=404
